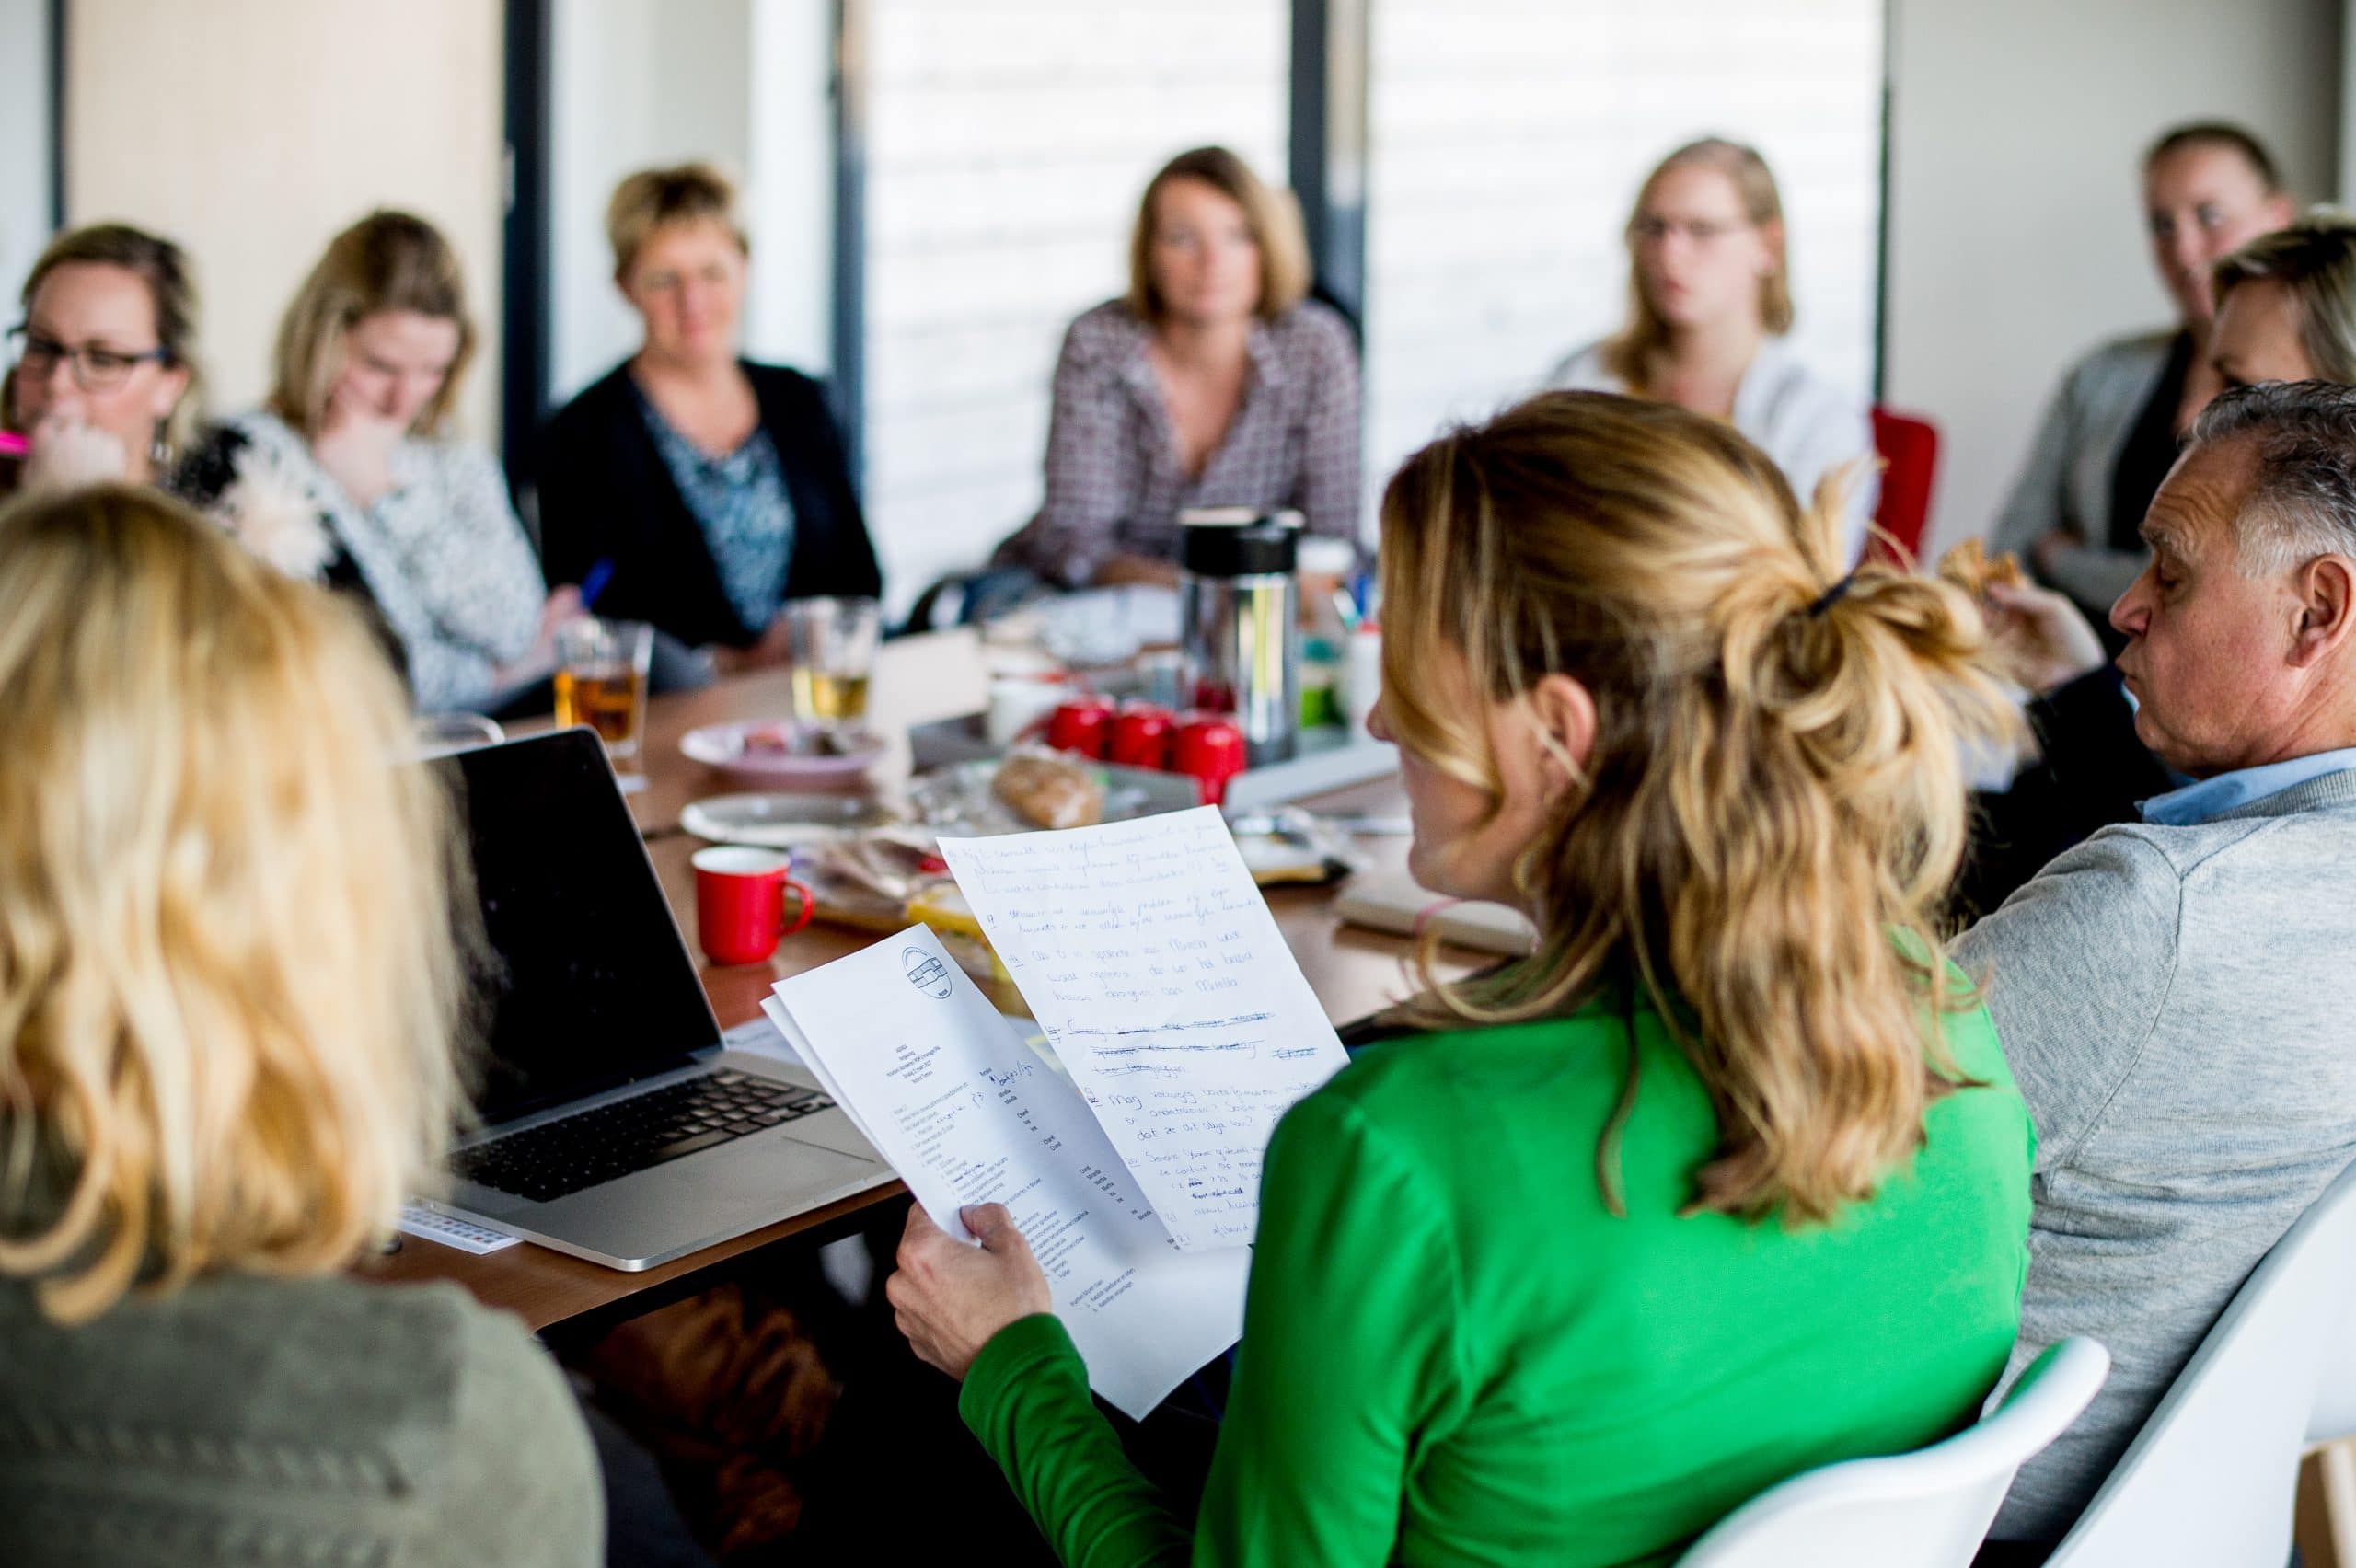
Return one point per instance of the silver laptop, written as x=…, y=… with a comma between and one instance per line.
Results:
x=615, y=1125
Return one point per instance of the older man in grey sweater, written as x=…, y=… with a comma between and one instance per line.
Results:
x=2173, y=994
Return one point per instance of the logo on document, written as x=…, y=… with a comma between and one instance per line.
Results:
x=926, y=973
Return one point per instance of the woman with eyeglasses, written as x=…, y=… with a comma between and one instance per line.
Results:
x=1709, y=300
x=102, y=381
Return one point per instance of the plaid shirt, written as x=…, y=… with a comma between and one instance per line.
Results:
x=1114, y=483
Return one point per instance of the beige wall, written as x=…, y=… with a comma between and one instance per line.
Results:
x=25, y=131
x=638, y=83
x=2014, y=235
x=252, y=129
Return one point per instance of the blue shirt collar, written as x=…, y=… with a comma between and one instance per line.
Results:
x=2213, y=797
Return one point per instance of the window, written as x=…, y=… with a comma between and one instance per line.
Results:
x=1505, y=144
x=1006, y=147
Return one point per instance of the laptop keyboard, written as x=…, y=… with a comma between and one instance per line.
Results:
x=556, y=1158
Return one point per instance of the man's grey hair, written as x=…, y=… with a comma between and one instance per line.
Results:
x=2302, y=502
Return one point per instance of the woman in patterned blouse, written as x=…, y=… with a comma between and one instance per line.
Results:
x=1214, y=382
x=347, y=473
x=705, y=491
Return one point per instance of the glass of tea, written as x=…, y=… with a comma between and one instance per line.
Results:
x=601, y=681
x=833, y=649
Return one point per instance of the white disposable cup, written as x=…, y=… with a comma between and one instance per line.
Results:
x=1016, y=705
x=1362, y=678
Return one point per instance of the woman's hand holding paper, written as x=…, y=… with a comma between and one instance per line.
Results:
x=950, y=1299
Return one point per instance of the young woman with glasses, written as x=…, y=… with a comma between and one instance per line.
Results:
x=101, y=379
x=1709, y=301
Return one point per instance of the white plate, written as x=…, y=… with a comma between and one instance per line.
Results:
x=781, y=822
x=724, y=746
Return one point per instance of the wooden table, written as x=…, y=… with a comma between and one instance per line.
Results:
x=918, y=679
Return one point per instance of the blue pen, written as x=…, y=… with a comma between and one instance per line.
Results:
x=592, y=583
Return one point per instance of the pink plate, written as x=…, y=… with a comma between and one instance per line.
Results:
x=781, y=751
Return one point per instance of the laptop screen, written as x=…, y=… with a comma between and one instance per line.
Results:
x=593, y=987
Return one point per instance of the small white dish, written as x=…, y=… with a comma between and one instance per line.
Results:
x=782, y=751
x=782, y=821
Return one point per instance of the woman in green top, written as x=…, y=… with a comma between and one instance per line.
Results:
x=1693, y=1199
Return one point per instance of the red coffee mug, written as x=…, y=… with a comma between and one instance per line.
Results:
x=1082, y=725
x=1211, y=749
x=740, y=902
x=1141, y=736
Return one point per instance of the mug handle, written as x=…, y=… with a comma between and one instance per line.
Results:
x=809, y=906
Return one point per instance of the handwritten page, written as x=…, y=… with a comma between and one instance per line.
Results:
x=967, y=1114
x=1167, y=993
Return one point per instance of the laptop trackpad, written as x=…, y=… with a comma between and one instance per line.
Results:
x=832, y=1129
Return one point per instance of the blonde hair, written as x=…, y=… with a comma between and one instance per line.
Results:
x=646, y=202
x=1272, y=216
x=2314, y=261
x=386, y=261
x=163, y=266
x=1625, y=354
x=228, y=978
x=1774, y=807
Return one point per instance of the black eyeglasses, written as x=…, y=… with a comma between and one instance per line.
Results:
x=96, y=369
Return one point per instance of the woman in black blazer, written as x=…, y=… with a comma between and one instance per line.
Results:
x=702, y=490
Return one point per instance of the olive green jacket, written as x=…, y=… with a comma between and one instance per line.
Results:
x=259, y=1421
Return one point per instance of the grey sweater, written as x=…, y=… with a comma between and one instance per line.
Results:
x=2174, y=1005
x=246, y=1420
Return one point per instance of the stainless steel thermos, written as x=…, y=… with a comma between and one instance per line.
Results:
x=1240, y=622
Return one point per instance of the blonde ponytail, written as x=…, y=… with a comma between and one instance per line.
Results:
x=1773, y=806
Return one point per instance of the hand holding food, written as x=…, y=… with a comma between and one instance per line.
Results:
x=2039, y=638
x=1968, y=567
x=66, y=454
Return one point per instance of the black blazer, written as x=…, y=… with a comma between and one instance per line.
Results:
x=2092, y=772
x=605, y=495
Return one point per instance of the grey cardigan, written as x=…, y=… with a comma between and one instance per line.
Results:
x=253, y=1421
x=2173, y=1003
x=2067, y=483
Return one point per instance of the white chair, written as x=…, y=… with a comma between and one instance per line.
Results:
x=1927, y=1509
x=2210, y=1478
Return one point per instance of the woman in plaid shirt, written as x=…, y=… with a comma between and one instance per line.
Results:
x=1214, y=382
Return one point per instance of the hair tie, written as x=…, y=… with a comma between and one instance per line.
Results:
x=1830, y=596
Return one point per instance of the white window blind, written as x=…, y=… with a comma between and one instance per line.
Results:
x=1008, y=144
x=1507, y=140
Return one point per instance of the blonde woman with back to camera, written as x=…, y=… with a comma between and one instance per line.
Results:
x=229, y=988
x=1709, y=304
x=1696, y=1197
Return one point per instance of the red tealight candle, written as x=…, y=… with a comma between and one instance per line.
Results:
x=1209, y=749
x=1141, y=736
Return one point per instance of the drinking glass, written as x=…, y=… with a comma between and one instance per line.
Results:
x=439, y=734
x=832, y=643
x=601, y=681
